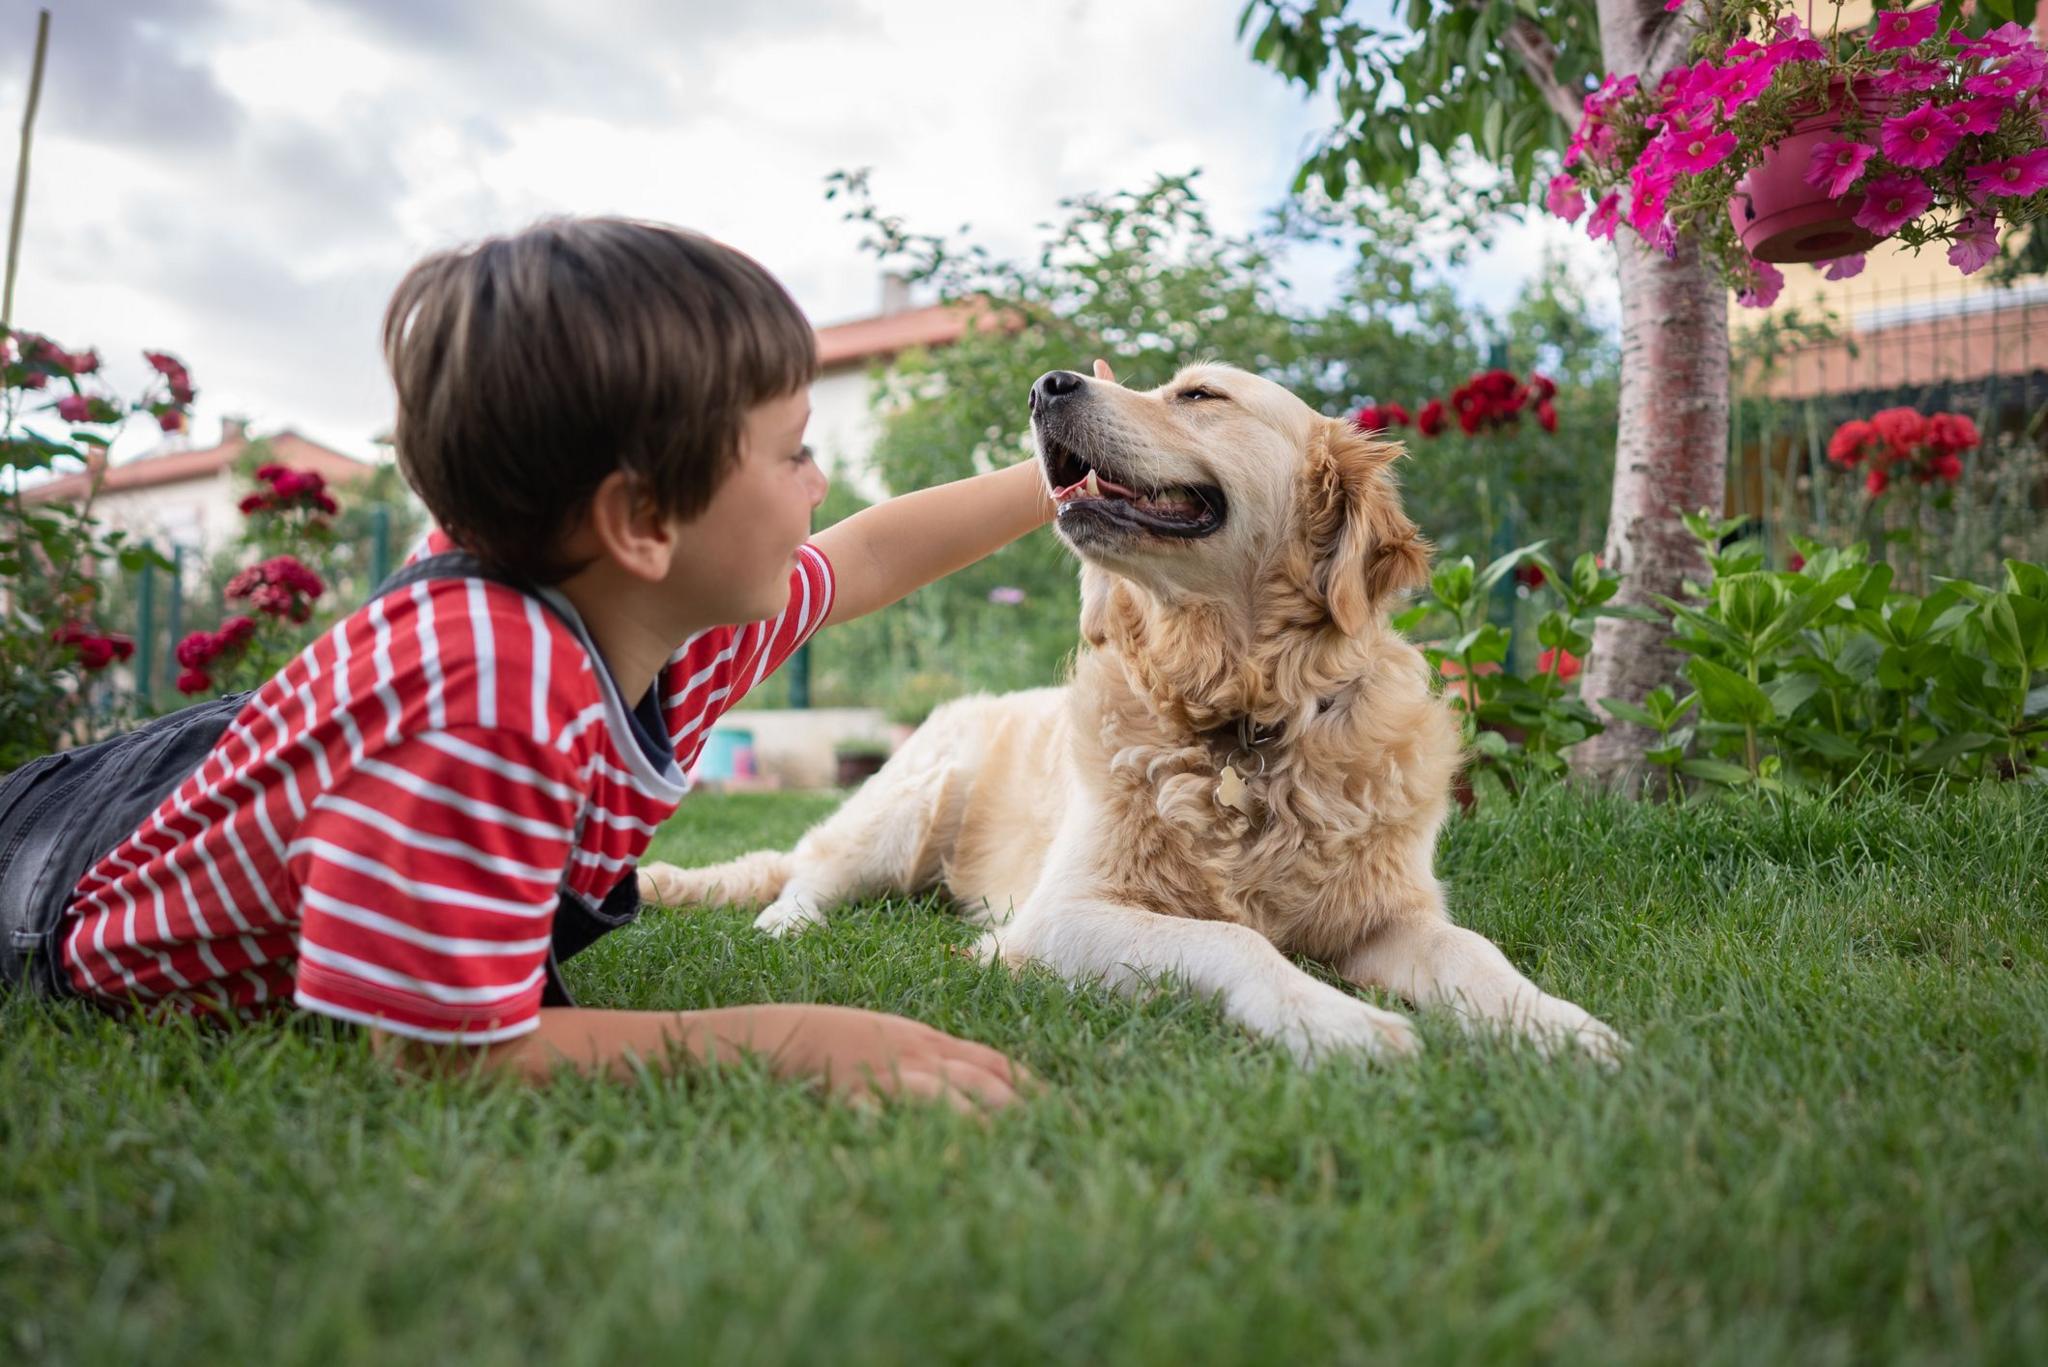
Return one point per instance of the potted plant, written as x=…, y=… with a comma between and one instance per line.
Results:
x=857, y=759
x=1777, y=145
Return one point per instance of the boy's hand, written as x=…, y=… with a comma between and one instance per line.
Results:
x=858, y=1055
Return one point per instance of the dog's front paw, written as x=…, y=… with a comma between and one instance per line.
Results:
x=658, y=885
x=789, y=915
x=1329, y=1022
x=1559, y=1026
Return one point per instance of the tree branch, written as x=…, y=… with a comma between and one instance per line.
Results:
x=1527, y=40
x=1667, y=46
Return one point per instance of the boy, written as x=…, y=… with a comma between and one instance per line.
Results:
x=409, y=824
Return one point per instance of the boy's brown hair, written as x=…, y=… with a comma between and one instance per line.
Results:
x=530, y=367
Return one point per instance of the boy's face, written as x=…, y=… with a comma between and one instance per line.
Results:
x=733, y=560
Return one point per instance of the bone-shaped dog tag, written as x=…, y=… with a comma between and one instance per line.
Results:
x=1230, y=790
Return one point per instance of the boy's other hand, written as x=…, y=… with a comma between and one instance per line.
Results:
x=864, y=1055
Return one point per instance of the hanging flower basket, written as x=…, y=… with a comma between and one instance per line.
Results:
x=1775, y=145
x=1779, y=215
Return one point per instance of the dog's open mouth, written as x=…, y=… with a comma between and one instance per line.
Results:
x=1098, y=498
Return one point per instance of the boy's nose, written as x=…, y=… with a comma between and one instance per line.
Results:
x=1054, y=384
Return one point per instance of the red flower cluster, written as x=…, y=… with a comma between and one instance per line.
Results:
x=281, y=586
x=42, y=357
x=1377, y=417
x=96, y=649
x=202, y=649
x=1495, y=398
x=289, y=489
x=1902, y=441
x=1567, y=664
x=1430, y=421
x=171, y=416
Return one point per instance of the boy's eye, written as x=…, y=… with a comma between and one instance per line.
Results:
x=803, y=454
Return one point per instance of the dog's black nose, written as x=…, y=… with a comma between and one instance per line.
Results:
x=1054, y=384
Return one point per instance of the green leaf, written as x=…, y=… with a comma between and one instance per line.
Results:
x=1629, y=712
x=1500, y=567
x=1790, y=692
x=2028, y=581
x=1714, y=771
x=1728, y=696
x=1826, y=744
x=1949, y=748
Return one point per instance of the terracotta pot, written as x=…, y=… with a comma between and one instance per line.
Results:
x=1780, y=217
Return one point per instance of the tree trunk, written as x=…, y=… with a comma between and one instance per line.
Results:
x=1671, y=452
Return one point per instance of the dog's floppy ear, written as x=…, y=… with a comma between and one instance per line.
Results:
x=1365, y=547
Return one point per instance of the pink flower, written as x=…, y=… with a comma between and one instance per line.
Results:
x=1699, y=152
x=1006, y=595
x=1842, y=267
x=1921, y=138
x=1673, y=6
x=1766, y=281
x=1891, y=202
x=1606, y=217
x=1838, y=165
x=1646, y=213
x=1979, y=115
x=2012, y=178
x=1905, y=28
x=1745, y=81
x=2003, y=41
x=1976, y=242
x=1565, y=199
x=75, y=408
x=83, y=362
x=1910, y=74
x=2013, y=77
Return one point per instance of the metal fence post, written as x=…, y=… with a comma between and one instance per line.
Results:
x=145, y=635
x=174, y=614
x=380, y=544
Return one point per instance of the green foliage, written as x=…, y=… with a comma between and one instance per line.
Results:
x=1519, y=718
x=1830, y=675
x=1144, y=280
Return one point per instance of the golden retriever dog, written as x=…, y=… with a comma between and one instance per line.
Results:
x=1247, y=764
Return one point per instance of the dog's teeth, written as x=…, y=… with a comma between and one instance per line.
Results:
x=1092, y=485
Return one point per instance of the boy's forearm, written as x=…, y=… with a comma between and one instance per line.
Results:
x=894, y=548
x=608, y=1043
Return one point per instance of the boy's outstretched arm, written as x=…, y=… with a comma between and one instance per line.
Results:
x=882, y=553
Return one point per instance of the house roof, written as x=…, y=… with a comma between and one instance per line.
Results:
x=179, y=467
x=870, y=339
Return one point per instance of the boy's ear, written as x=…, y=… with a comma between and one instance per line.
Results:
x=629, y=529
x=1365, y=548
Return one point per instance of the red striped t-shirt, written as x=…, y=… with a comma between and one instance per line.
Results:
x=382, y=833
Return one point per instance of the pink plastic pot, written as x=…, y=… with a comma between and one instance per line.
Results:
x=1779, y=216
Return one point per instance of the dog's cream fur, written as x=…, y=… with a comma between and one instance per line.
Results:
x=1082, y=825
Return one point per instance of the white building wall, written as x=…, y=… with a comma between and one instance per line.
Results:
x=198, y=514
x=844, y=429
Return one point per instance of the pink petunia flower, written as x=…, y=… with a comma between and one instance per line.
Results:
x=2003, y=41
x=1838, y=165
x=1565, y=199
x=2010, y=79
x=1745, y=81
x=2013, y=177
x=1979, y=115
x=1765, y=285
x=1910, y=74
x=1701, y=152
x=1976, y=242
x=1905, y=28
x=1921, y=138
x=1842, y=267
x=1891, y=202
x=1606, y=217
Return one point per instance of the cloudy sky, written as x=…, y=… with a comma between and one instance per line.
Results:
x=243, y=181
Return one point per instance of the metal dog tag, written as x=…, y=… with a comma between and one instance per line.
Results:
x=1231, y=790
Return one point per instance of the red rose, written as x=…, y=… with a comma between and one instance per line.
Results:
x=95, y=653
x=1798, y=562
x=194, y=681
x=83, y=362
x=1430, y=421
x=1876, y=482
x=171, y=420
x=1951, y=432
x=1530, y=575
x=1543, y=386
x=1546, y=415
x=1567, y=664
x=1846, y=447
x=1946, y=467
x=1901, y=429
x=124, y=646
x=75, y=408
x=1468, y=421
x=237, y=629
x=253, y=503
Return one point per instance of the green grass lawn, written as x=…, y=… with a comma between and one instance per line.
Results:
x=1829, y=1146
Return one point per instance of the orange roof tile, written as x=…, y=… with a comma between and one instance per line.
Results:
x=177, y=467
x=868, y=339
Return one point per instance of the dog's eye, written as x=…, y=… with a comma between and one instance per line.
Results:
x=1197, y=392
